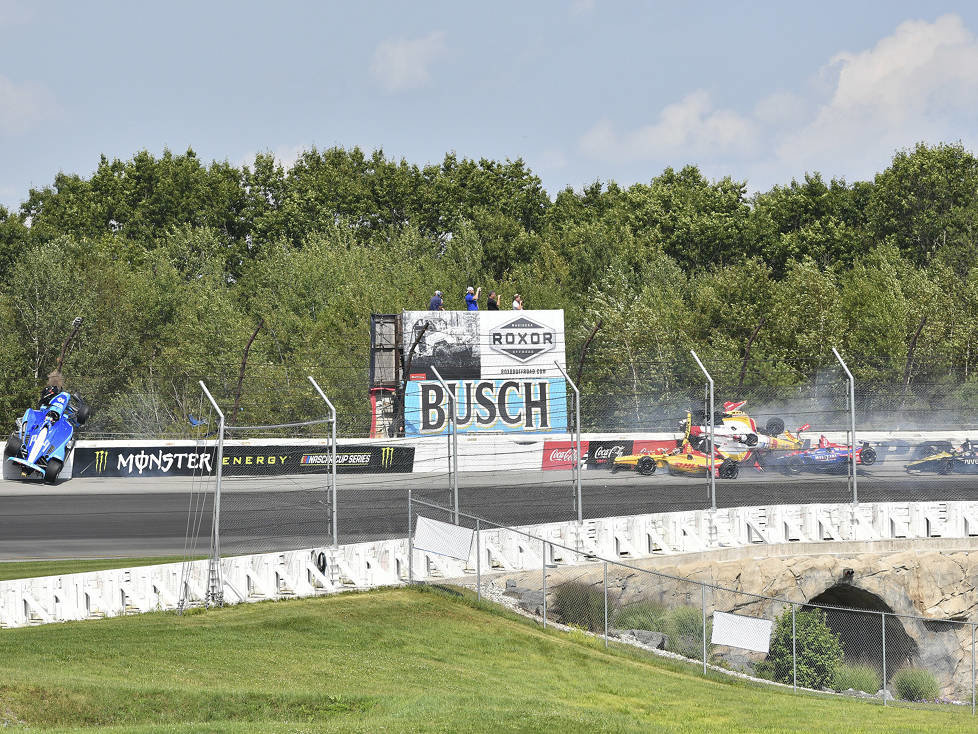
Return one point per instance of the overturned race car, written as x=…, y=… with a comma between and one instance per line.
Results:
x=45, y=437
x=737, y=435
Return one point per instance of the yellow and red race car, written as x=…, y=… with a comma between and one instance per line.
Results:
x=683, y=460
x=737, y=437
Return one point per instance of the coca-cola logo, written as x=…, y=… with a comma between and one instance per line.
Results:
x=606, y=453
x=562, y=455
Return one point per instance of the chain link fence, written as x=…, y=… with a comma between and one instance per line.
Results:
x=856, y=647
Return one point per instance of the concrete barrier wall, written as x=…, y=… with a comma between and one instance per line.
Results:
x=522, y=452
x=323, y=570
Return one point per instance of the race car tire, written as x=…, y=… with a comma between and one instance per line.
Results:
x=729, y=469
x=867, y=457
x=52, y=470
x=13, y=446
x=774, y=427
x=83, y=412
x=645, y=465
x=944, y=468
x=792, y=466
x=750, y=439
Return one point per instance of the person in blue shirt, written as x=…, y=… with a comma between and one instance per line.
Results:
x=472, y=298
x=436, y=302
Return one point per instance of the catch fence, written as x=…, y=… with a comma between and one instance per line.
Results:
x=845, y=640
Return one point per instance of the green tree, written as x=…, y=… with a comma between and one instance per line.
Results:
x=815, y=654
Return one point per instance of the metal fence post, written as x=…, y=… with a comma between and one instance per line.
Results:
x=410, y=541
x=215, y=580
x=332, y=462
x=606, y=604
x=478, y=563
x=883, y=618
x=703, y=595
x=794, y=651
x=972, y=669
x=713, y=473
x=852, y=427
x=579, y=501
x=543, y=554
x=452, y=441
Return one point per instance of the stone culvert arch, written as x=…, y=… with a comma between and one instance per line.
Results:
x=857, y=617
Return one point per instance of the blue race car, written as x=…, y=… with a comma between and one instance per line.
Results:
x=45, y=437
x=827, y=457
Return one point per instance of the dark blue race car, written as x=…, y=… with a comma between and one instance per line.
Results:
x=827, y=457
x=45, y=437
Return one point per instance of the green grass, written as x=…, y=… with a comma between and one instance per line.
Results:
x=857, y=677
x=388, y=660
x=29, y=569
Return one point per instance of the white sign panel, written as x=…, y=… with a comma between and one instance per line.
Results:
x=443, y=538
x=747, y=633
x=484, y=345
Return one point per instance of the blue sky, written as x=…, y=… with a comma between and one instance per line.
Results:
x=580, y=89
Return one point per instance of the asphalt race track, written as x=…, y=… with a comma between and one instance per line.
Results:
x=147, y=517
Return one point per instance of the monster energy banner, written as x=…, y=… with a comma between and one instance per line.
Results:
x=254, y=461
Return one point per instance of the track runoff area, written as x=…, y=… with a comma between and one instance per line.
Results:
x=123, y=517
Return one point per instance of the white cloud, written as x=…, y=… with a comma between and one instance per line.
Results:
x=690, y=127
x=23, y=105
x=284, y=155
x=920, y=83
x=582, y=7
x=405, y=64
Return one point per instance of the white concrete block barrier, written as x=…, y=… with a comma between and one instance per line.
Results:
x=323, y=570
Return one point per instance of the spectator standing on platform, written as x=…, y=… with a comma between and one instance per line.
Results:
x=472, y=298
x=493, y=304
x=517, y=302
x=436, y=302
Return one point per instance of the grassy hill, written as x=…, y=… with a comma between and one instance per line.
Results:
x=388, y=660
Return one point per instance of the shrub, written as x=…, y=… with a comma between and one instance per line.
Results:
x=683, y=627
x=914, y=684
x=858, y=677
x=579, y=604
x=642, y=615
x=818, y=648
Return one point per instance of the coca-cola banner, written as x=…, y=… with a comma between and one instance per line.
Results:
x=560, y=454
x=602, y=453
x=651, y=446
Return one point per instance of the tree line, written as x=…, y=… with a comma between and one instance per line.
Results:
x=174, y=263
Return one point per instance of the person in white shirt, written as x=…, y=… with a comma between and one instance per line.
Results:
x=517, y=302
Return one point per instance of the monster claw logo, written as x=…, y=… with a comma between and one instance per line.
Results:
x=387, y=457
x=101, y=459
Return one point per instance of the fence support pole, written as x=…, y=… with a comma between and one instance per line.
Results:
x=713, y=473
x=794, y=651
x=883, y=618
x=606, y=604
x=332, y=463
x=578, y=500
x=852, y=427
x=703, y=596
x=478, y=562
x=215, y=579
x=972, y=669
x=452, y=441
x=543, y=555
x=410, y=541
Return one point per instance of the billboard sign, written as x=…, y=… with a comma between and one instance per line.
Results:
x=499, y=364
